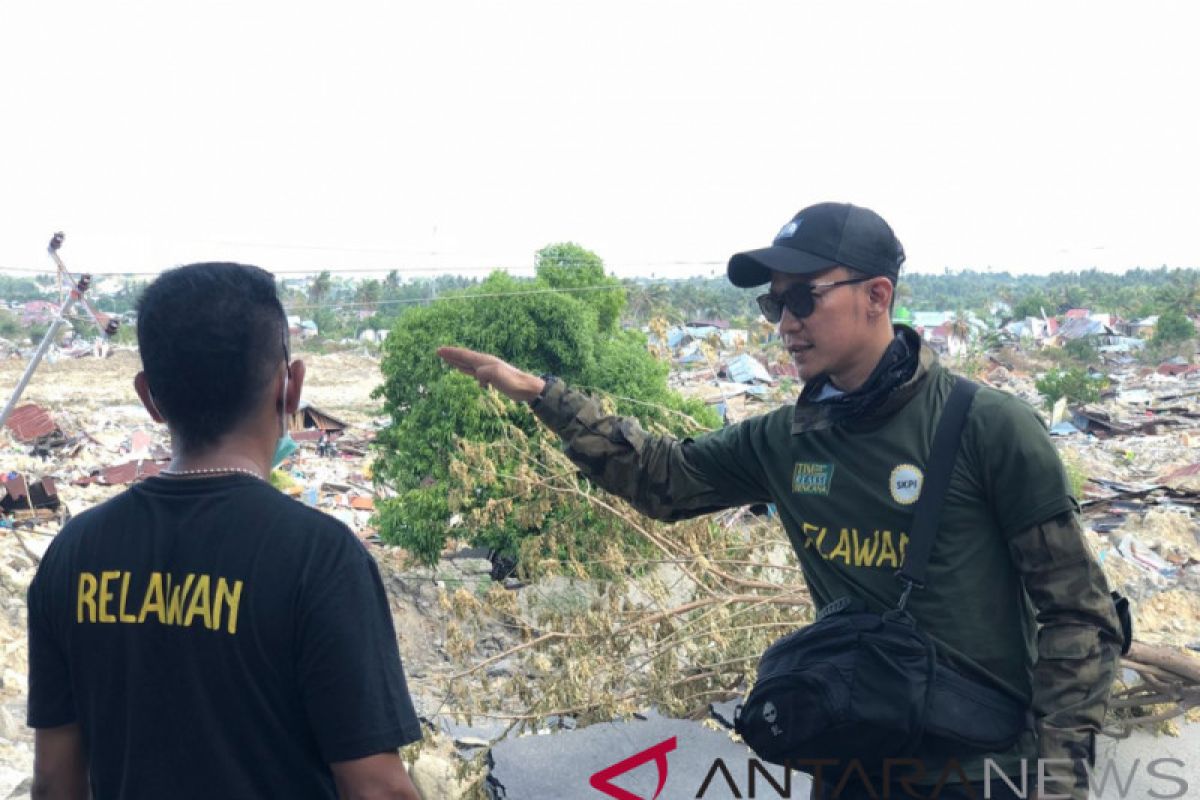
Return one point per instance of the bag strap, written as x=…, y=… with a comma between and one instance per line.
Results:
x=942, y=455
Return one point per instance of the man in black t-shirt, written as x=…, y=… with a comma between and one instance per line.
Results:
x=201, y=635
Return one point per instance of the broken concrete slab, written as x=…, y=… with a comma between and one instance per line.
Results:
x=635, y=756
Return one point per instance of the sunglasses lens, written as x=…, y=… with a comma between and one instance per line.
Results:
x=799, y=301
x=771, y=307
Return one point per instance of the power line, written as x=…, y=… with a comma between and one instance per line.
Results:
x=404, y=301
x=29, y=269
x=349, y=271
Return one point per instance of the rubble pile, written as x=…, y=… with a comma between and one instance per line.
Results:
x=82, y=436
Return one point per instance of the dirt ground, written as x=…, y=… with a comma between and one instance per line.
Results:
x=340, y=383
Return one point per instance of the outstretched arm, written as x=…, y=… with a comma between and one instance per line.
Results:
x=663, y=477
x=491, y=371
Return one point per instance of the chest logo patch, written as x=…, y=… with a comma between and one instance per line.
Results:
x=905, y=484
x=808, y=478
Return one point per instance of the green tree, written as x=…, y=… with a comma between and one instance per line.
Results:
x=22, y=290
x=369, y=293
x=330, y=325
x=441, y=422
x=1032, y=304
x=320, y=288
x=960, y=326
x=1075, y=384
x=10, y=326
x=1082, y=350
x=1172, y=327
x=569, y=266
x=391, y=284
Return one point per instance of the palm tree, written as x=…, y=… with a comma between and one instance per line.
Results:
x=319, y=289
x=960, y=326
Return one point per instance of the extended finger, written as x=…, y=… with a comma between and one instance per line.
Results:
x=465, y=360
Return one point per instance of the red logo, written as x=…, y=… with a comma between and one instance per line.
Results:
x=657, y=754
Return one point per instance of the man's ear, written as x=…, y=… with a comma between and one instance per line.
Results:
x=879, y=296
x=296, y=372
x=142, y=386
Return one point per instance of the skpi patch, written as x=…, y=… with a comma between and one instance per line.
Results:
x=809, y=478
x=905, y=484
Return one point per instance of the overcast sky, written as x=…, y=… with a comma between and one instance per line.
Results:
x=663, y=135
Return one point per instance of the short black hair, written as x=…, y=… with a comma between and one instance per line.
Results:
x=211, y=337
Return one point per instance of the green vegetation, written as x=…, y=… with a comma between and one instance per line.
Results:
x=452, y=450
x=1074, y=383
x=1132, y=295
x=10, y=326
x=21, y=290
x=1082, y=350
x=1076, y=475
x=1173, y=327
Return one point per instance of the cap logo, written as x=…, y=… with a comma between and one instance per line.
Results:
x=789, y=230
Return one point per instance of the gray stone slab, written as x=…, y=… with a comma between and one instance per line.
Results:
x=560, y=765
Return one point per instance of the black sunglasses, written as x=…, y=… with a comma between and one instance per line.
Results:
x=798, y=298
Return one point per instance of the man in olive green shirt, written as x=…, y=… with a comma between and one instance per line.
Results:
x=1012, y=594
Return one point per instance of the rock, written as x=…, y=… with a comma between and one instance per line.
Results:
x=436, y=774
x=10, y=729
x=501, y=669
x=557, y=594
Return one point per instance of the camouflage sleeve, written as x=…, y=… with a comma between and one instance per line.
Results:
x=1078, y=647
x=654, y=473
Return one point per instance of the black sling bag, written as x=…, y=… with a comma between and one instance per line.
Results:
x=867, y=686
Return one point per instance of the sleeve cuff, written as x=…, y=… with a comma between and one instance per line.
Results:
x=557, y=405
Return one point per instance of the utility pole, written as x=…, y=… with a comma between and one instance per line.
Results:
x=76, y=294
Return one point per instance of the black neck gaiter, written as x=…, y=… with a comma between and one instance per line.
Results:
x=896, y=367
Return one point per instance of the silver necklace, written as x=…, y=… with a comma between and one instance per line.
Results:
x=210, y=471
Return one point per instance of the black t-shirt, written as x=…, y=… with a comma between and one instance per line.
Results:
x=215, y=639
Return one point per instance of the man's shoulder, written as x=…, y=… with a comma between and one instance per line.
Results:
x=1000, y=421
x=290, y=517
x=997, y=410
x=990, y=403
x=266, y=508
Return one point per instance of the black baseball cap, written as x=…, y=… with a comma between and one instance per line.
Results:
x=821, y=237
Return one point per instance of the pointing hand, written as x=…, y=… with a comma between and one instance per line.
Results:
x=491, y=371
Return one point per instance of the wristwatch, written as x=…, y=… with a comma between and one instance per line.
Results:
x=547, y=379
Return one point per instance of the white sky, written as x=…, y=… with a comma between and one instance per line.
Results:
x=663, y=135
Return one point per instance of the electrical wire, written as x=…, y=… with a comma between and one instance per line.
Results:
x=414, y=300
x=449, y=270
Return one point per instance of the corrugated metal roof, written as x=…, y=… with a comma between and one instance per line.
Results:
x=30, y=422
x=129, y=472
x=309, y=416
x=745, y=368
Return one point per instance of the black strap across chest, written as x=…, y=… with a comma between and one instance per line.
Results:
x=928, y=511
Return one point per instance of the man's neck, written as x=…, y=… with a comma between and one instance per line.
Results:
x=233, y=456
x=852, y=379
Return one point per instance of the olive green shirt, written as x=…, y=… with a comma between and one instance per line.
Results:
x=1012, y=593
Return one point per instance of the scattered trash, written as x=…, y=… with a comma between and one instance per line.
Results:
x=1145, y=558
